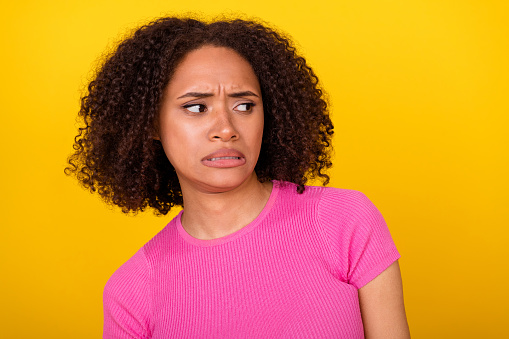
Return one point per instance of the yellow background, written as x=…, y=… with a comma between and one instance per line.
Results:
x=419, y=90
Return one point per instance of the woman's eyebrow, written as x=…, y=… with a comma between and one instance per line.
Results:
x=242, y=94
x=205, y=95
x=195, y=95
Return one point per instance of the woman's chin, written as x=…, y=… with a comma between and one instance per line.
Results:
x=225, y=183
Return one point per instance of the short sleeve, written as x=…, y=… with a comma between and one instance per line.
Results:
x=126, y=300
x=360, y=241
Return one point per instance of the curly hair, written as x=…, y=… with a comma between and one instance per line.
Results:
x=115, y=152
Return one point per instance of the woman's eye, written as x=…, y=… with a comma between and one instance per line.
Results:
x=196, y=108
x=245, y=107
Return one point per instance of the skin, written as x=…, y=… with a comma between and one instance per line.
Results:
x=382, y=307
x=214, y=103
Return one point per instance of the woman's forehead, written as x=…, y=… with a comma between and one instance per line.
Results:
x=210, y=69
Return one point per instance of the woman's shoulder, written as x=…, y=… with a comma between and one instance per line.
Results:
x=163, y=242
x=326, y=197
x=330, y=206
x=354, y=231
x=138, y=268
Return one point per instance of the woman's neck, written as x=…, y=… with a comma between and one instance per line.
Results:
x=214, y=215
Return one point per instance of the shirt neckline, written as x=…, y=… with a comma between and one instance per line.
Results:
x=230, y=237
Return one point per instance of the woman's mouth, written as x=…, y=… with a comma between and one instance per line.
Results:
x=224, y=158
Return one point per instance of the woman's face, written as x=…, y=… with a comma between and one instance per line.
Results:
x=211, y=120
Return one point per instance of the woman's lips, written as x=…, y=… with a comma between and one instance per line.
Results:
x=224, y=158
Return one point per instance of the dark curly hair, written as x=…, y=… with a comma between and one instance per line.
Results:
x=115, y=152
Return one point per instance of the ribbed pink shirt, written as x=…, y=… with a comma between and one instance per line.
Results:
x=293, y=272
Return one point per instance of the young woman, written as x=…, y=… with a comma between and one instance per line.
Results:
x=226, y=120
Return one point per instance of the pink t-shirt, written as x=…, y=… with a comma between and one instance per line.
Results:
x=293, y=272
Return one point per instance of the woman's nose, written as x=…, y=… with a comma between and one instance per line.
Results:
x=223, y=128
